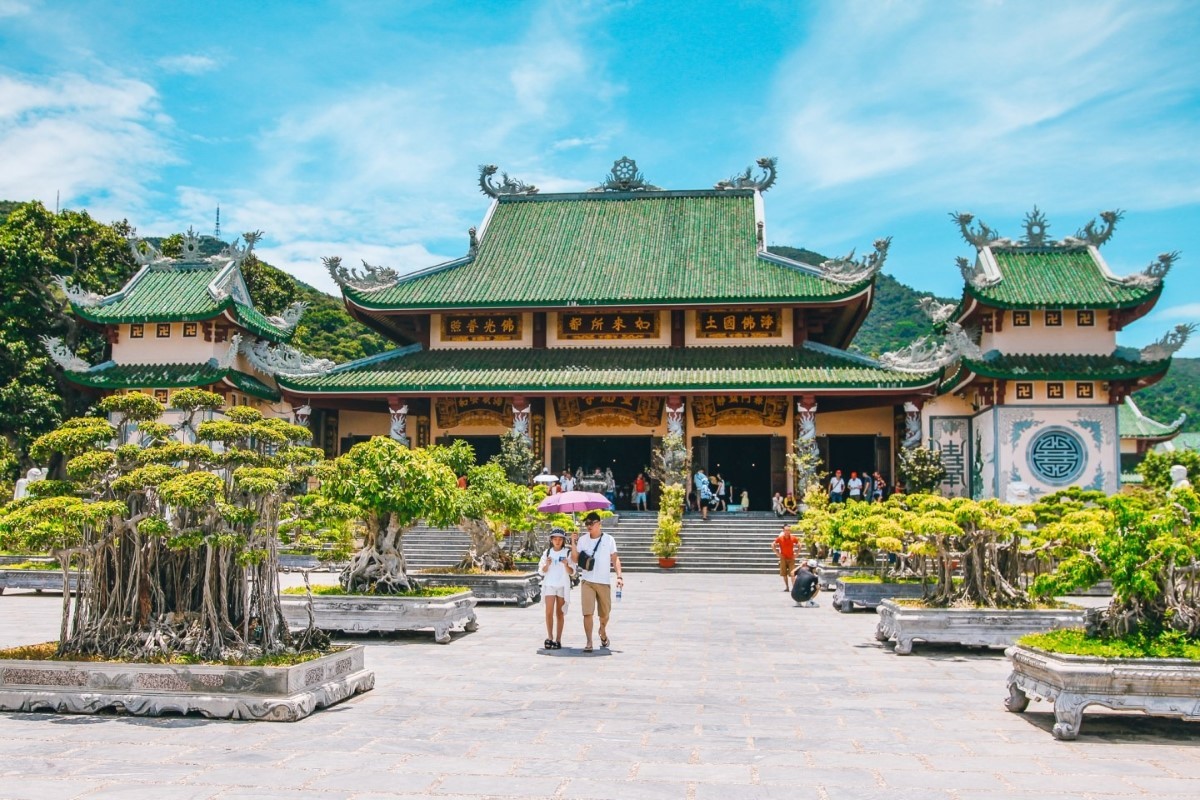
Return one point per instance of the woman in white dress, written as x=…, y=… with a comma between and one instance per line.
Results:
x=556, y=570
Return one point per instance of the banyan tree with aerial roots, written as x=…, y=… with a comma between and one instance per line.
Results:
x=170, y=528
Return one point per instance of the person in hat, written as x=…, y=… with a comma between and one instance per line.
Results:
x=556, y=568
x=597, y=559
x=805, y=585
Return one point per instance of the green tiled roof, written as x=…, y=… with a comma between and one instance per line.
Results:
x=176, y=292
x=1063, y=367
x=652, y=248
x=169, y=376
x=1133, y=424
x=1184, y=441
x=1057, y=278
x=608, y=369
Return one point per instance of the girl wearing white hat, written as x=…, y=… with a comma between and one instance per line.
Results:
x=556, y=570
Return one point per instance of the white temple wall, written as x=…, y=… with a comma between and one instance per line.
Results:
x=175, y=349
x=1040, y=391
x=1077, y=446
x=1038, y=339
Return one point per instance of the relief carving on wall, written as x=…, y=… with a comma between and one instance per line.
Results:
x=467, y=411
x=608, y=410
x=740, y=409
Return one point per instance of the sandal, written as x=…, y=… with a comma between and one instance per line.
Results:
x=587, y=648
x=548, y=644
x=604, y=641
x=557, y=645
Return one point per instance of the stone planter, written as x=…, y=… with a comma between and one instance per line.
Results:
x=666, y=563
x=6, y=560
x=383, y=614
x=40, y=580
x=864, y=594
x=986, y=627
x=829, y=575
x=1162, y=687
x=1100, y=589
x=519, y=589
x=271, y=694
x=294, y=562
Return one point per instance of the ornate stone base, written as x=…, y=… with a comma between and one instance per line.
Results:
x=363, y=614
x=986, y=627
x=519, y=589
x=829, y=575
x=1162, y=687
x=40, y=580
x=850, y=594
x=269, y=694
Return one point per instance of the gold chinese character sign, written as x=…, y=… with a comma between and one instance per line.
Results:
x=608, y=325
x=475, y=410
x=481, y=327
x=608, y=410
x=741, y=323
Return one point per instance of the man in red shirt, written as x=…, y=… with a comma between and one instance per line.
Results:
x=785, y=548
x=639, y=493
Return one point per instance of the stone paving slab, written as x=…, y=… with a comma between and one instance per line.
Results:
x=718, y=688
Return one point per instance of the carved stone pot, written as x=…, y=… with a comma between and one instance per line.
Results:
x=491, y=588
x=869, y=594
x=40, y=580
x=269, y=694
x=365, y=613
x=985, y=627
x=1162, y=687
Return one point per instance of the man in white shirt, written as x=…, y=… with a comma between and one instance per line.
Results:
x=837, y=488
x=567, y=481
x=595, y=583
x=856, y=486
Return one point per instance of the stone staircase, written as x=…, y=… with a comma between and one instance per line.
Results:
x=726, y=543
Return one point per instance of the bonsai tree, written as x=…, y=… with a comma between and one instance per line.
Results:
x=489, y=508
x=865, y=529
x=391, y=488
x=1148, y=545
x=174, y=544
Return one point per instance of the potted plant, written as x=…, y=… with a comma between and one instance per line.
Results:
x=666, y=541
x=174, y=548
x=1143, y=650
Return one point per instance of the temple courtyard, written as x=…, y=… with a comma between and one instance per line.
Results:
x=718, y=688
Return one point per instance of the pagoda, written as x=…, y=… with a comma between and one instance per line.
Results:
x=185, y=322
x=1035, y=406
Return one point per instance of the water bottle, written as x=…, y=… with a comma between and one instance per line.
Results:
x=618, y=594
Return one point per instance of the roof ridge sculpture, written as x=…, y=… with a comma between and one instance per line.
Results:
x=847, y=270
x=926, y=355
x=1168, y=344
x=282, y=359
x=62, y=355
x=507, y=185
x=371, y=278
x=745, y=181
x=625, y=177
x=1036, y=232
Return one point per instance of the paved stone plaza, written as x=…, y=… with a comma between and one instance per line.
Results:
x=718, y=688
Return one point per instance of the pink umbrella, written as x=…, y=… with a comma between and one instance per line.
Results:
x=565, y=502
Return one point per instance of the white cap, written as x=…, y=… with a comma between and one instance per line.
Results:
x=812, y=562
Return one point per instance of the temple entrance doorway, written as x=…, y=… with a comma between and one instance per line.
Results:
x=485, y=446
x=626, y=456
x=745, y=462
x=856, y=454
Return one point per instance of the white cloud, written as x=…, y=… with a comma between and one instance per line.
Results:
x=88, y=139
x=14, y=8
x=188, y=64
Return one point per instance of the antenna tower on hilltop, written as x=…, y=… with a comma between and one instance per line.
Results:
x=217, y=231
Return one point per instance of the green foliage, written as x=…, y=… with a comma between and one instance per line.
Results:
x=1178, y=391
x=383, y=478
x=517, y=457
x=1071, y=641
x=1155, y=468
x=672, y=461
x=424, y=591
x=666, y=542
x=920, y=469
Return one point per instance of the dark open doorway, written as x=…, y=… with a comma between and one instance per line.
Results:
x=485, y=446
x=626, y=456
x=745, y=464
x=856, y=454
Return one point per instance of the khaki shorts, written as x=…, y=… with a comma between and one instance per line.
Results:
x=596, y=594
x=786, y=565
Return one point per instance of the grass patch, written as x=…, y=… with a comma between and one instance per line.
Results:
x=1046, y=605
x=429, y=591
x=46, y=652
x=1073, y=641
x=33, y=565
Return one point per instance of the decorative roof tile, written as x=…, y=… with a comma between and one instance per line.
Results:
x=1057, y=278
x=111, y=376
x=1133, y=424
x=1063, y=367
x=609, y=369
x=601, y=249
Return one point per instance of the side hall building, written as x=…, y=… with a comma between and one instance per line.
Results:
x=598, y=322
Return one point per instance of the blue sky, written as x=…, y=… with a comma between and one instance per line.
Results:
x=356, y=128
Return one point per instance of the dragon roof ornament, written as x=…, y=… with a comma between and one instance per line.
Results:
x=625, y=177
x=282, y=360
x=1169, y=344
x=937, y=312
x=1152, y=275
x=745, y=181
x=507, y=185
x=848, y=270
x=973, y=275
x=290, y=316
x=1036, y=232
x=927, y=355
x=77, y=296
x=62, y=356
x=371, y=278
x=228, y=359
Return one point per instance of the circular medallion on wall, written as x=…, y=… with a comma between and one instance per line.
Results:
x=1057, y=456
